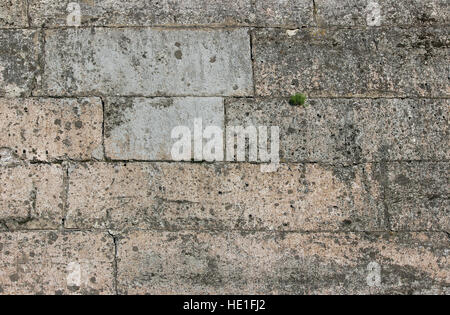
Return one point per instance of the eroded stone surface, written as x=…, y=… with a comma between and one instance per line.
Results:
x=172, y=196
x=293, y=13
x=18, y=61
x=290, y=263
x=418, y=196
x=350, y=130
x=141, y=128
x=144, y=13
x=372, y=62
x=148, y=62
x=56, y=263
x=31, y=197
x=380, y=12
x=13, y=13
x=48, y=129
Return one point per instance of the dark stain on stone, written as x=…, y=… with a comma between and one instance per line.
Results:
x=14, y=277
x=402, y=180
x=78, y=124
x=213, y=59
x=178, y=54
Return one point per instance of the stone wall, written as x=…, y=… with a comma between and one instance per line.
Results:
x=92, y=203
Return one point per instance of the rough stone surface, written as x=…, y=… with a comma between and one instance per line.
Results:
x=418, y=196
x=56, y=263
x=173, y=196
x=348, y=130
x=293, y=13
x=373, y=62
x=32, y=197
x=13, y=14
x=391, y=12
x=49, y=129
x=148, y=62
x=286, y=263
x=91, y=201
x=18, y=61
x=140, y=129
x=53, y=13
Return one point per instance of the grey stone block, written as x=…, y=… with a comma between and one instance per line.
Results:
x=140, y=128
x=381, y=12
x=350, y=130
x=147, y=62
x=53, y=13
x=19, y=51
x=375, y=62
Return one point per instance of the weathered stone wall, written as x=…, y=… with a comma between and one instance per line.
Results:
x=92, y=203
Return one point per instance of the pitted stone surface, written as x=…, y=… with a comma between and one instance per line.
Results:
x=381, y=12
x=92, y=201
x=31, y=197
x=141, y=128
x=56, y=263
x=374, y=62
x=295, y=13
x=52, y=13
x=282, y=263
x=350, y=130
x=418, y=196
x=18, y=61
x=49, y=129
x=13, y=14
x=233, y=196
x=147, y=62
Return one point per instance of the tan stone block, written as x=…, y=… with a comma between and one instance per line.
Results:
x=31, y=196
x=56, y=263
x=224, y=196
x=282, y=263
x=52, y=129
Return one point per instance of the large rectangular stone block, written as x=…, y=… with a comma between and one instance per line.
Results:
x=174, y=196
x=375, y=62
x=282, y=263
x=147, y=62
x=56, y=263
x=31, y=196
x=52, y=13
x=417, y=196
x=13, y=14
x=141, y=128
x=19, y=51
x=350, y=130
x=50, y=129
x=380, y=12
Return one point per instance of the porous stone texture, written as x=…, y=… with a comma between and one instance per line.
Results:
x=19, y=51
x=282, y=263
x=141, y=128
x=374, y=62
x=93, y=202
x=52, y=13
x=56, y=263
x=417, y=196
x=176, y=196
x=381, y=12
x=147, y=62
x=13, y=14
x=50, y=129
x=286, y=13
x=346, y=131
x=32, y=196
